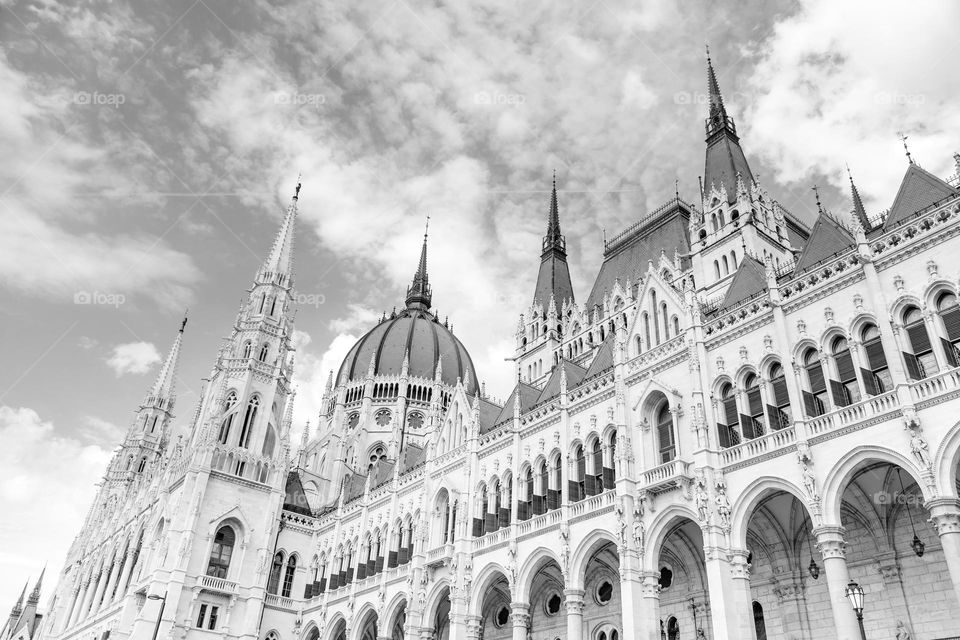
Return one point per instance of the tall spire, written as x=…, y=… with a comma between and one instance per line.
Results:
x=35, y=594
x=713, y=91
x=280, y=260
x=725, y=160
x=553, y=281
x=858, y=209
x=419, y=294
x=554, y=240
x=163, y=388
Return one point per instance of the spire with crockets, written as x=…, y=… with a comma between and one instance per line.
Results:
x=725, y=163
x=858, y=209
x=419, y=294
x=278, y=267
x=553, y=281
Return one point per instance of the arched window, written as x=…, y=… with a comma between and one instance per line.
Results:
x=877, y=378
x=753, y=423
x=273, y=306
x=727, y=434
x=665, y=442
x=288, y=576
x=779, y=409
x=273, y=583
x=482, y=515
x=726, y=265
x=653, y=312
x=666, y=320
x=673, y=629
x=525, y=506
x=228, y=420
x=554, y=485
x=264, y=352
x=815, y=396
x=846, y=391
x=247, y=349
x=540, y=489
x=676, y=326
x=577, y=483
x=758, y=621
x=949, y=314
x=716, y=269
x=733, y=260
x=646, y=329
x=922, y=363
x=143, y=465
x=221, y=552
x=713, y=223
x=594, y=482
x=269, y=441
x=248, y=419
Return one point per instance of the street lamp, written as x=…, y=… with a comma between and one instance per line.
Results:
x=163, y=603
x=855, y=596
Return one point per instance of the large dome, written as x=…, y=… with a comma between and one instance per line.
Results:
x=418, y=332
x=414, y=330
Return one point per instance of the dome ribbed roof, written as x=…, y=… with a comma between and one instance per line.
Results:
x=417, y=332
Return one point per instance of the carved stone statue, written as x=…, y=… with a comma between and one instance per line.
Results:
x=703, y=500
x=723, y=505
x=639, y=531
x=919, y=448
x=902, y=632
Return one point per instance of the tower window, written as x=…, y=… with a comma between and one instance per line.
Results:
x=288, y=576
x=264, y=352
x=248, y=419
x=221, y=552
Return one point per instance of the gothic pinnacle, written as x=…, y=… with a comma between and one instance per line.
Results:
x=280, y=259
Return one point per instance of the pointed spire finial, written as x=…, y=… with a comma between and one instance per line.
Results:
x=183, y=325
x=280, y=259
x=816, y=191
x=419, y=294
x=296, y=191
x=163, y=388
x=903, y=139
x=859, y=212
x=713, y=92
x=35, y=594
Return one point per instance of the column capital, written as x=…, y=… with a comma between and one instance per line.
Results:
x=650, y=584
x=473, y=624
x=739, y=567
x=830, y=541
x=573, y=600
x=944, y=514
x=520, y=614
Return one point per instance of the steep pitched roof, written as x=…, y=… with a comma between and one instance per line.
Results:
x=828, y=238
x=749, y=280
x=411, y=456
x=918, y=189
x=295, y=499
x=575, y=374
x=626, y=256
x=724, y=158
x=528, y=398
x=603, y=360
x=489, y=412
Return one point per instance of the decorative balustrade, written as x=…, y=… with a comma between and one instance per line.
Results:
x=279, y=601
x=593, y=503
x=758, y=446
x=939, y=384
x=667, y=476
x=869, y=408
x=491, y=539
x=218, y=584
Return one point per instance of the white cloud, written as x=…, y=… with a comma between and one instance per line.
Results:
x=37, y=491
x=133, y=357
x=99, y=431
x=310, y=376
x=829, y=94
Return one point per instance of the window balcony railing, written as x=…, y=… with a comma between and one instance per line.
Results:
x=941, y=383
x=854, y=413
x=667, y=476
x=279, y=601
x=758, y=446
x=218, y=584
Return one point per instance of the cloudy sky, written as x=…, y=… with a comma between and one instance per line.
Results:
x=149, y=150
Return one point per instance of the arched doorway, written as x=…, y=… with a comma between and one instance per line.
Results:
x=368, y=626
x=440, y=619
x=494, y=611
x=684, y=598
x=547, y=611
x=602, y=605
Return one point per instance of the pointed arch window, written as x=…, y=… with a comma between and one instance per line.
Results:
x=815, y=396
x=247, y=349
x=288, y=576
x=228, y=420
x=666, y=320
x=525, y=499
x=597, y=464
x=716, y=269
x=222, y=552
x=273, y=306
x=753, y=422
x=727, y=434
x=269, y=441
x=949, y=313
x=778, y=409
x=555, y=481
x=248, y=422
x=264, y=352
x=922, y=363
x=665, y=441
x=877, y=377
x=143, y=465
x=540, y=492
x=847, y=390
x=576, y=487
x=273, y=584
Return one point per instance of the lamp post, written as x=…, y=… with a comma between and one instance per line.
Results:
x=855, y=596
x=163, y=603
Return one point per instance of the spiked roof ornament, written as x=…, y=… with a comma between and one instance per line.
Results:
x=163, y=388
x=419, y=294
x=859, y=212
x=280, y=259
x=35, y=594
x=713, y=91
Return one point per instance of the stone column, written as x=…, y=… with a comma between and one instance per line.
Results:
x=728, y=584
x=649, y=614
x=573, y=600
x=71, y=607
x=473, y=627
x=520, y=617
x=742, y=599
x=112, y=582
x=831, y=544
x=125, y=574
x=78, y=602
x=91, y=588
x=790, y=592
x=945, y=515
